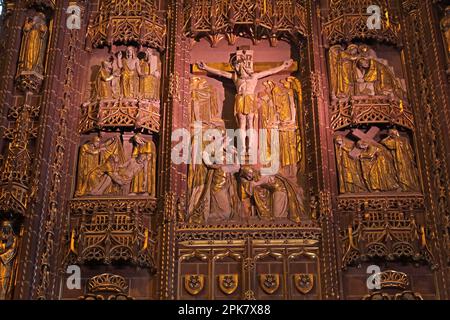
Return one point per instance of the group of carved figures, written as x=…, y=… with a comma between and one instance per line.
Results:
x=357, y=71
x=376, y=167
x=233, y=192
x=128, y=76
x=103, y=169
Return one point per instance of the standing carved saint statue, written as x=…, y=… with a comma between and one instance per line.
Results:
x=377, y=167
x=204, y=103
x=131, y=70
x=343, y=70
x=405, y=165
x=103, y=88
x=245, y=80
x=287, y=104
x=144, y=181
x=89, y=159
x=149, y=81
x=33, y=44
x=8, y=253
x=349, y=171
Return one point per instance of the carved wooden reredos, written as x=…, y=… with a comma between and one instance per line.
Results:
x=97, y=96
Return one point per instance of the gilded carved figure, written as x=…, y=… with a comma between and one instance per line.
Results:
x=130, y=72
x=377, y=167
x=349, y=170
x=145, y=152
x=403, y=155
x=103, y=88
x=33, y=44
x=216, y=197
x=342, y=66
x=275, y=197
x=149, y=80
x=88, y=160
x=8, y=253
x=204, y=103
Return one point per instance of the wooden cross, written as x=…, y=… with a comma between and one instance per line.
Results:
x=369, y=136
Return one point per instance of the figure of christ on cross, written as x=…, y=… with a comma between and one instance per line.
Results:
x=245, y=104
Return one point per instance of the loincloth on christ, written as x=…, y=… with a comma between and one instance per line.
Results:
x=245, y=104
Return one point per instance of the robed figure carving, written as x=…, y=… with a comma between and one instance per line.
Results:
x=144, y=152
x=403, y=155
x=8, y=253
x=33, y=45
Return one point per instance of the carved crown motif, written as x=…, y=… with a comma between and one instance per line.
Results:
x=107, y=282
x=394, y=279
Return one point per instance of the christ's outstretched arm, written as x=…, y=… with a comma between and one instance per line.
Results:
x=217, y=72
x=272, y=71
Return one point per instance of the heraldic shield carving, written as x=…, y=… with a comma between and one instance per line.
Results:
x=269, y=282
x=194, y=283
x=228, y=283
x=304, y=282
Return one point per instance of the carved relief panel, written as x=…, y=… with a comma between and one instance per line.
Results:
x=256, y=96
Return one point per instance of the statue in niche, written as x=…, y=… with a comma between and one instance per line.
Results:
x=357, y=71
x=103, y=87
x=144, y=152
x=204, y=103
x=217, y=197
x=403, y=155
x=33, y=44
x=8, y=253
x=377, y=167
x=149, y=80
x=349, y=171
x=275, y=197
x=130, y=72
x=245, y=80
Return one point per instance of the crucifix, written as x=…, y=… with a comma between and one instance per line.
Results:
x=245, y=78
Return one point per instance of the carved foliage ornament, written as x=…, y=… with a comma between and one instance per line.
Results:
x=257, y=20
x=125, y=22
x=351, y=19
